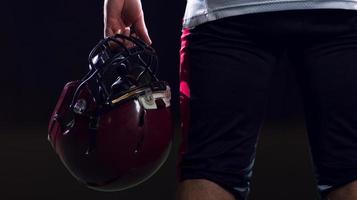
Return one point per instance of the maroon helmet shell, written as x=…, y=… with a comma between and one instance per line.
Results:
x=114, y=133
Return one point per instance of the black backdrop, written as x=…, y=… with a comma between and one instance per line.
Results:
x=44, y=44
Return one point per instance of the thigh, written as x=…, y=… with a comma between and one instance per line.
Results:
x=224, y=79
x=329, y=79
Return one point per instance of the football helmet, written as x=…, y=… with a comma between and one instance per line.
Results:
x=112, y=129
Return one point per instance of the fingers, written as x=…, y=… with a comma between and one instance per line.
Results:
x=113, y=26
x=112, y=21
x=141, y=30
x=124, y=31
x=121, y=16
x=117, y=23
x=127, y=32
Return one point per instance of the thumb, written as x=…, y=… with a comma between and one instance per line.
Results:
x=141, y=30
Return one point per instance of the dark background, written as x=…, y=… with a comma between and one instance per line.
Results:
x=44, y=44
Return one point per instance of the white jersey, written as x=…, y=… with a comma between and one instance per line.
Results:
x=200, y=11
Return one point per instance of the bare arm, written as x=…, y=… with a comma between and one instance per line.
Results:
x=124, y=16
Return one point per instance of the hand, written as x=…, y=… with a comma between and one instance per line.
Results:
x=125, y=17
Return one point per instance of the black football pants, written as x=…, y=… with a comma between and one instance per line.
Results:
x=226, y=68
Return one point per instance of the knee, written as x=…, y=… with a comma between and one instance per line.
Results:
x=346, y=192
x=198, y=189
